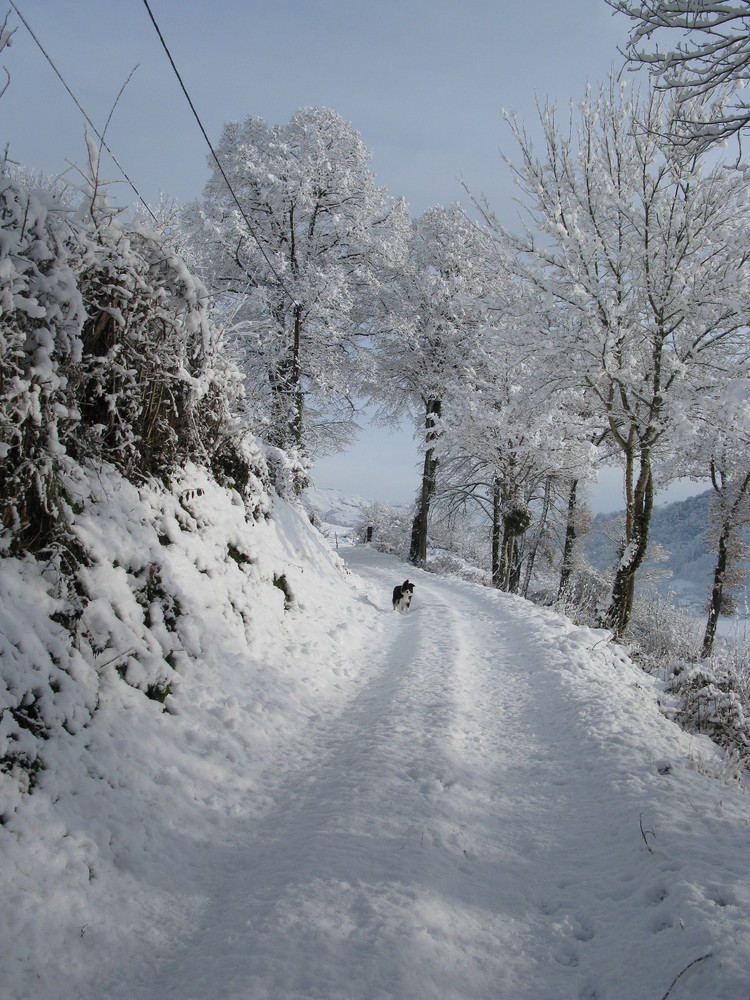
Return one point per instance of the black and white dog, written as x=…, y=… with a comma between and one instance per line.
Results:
x=402, y=596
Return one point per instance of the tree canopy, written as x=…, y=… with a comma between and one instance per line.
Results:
x=700, y=52
x=297, y=266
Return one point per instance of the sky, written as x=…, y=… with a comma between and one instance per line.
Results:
x=423, y=81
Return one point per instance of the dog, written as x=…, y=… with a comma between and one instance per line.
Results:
x=402, y=596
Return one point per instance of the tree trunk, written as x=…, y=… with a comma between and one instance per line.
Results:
x=728, y=521
x=496, y=522
x=531, y=558
x=717, y=592
x=297, y=428
x=418, y=548
x=514, y=574
x=287, y=396
x=570, y=540
x=639, y=505
x=506, y=557
x=516, y=519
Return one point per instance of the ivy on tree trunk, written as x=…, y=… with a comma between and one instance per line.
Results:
x=418, y=548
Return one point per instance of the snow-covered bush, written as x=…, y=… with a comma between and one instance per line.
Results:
x=660, y=633
x=110, y=370
x=444, y=563
x=41, y=315
x=391, y=528
x=152, y=383
x=288, y=470
x=46, y=683
x=238, y=462
x=583, y=595
x=733, y=656
x=710, y=703
x=107, y=352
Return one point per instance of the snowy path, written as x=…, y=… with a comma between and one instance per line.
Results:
x=499, y=811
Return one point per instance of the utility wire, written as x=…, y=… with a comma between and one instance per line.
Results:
x=80, y=108
x=241, y=210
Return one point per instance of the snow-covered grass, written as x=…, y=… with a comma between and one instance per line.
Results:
x=478, y=799
x=661, y=633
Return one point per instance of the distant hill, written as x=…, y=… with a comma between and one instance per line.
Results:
x=679, y=529
x=334, y=507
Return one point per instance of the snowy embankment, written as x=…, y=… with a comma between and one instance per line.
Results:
x=475, y=800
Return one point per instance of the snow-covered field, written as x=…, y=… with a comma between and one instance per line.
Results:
x=474, y=800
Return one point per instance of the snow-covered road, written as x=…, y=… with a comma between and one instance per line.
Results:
x=499, y=810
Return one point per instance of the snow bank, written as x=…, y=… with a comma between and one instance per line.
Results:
x=185, y=679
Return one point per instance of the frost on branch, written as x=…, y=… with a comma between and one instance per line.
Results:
x=699, y=52
x=148, y=377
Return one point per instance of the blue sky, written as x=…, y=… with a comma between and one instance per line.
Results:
x=424, y=82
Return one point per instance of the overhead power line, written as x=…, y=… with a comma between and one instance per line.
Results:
x=93, y=127
x=236, y=200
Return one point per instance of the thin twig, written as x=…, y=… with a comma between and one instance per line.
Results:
x=120, y=656
x=643, y=834
x=688, y=966
x=104, y=132
x=606, y=638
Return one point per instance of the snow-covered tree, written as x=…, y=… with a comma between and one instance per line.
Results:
x=719, y=448
x=294, y=259
x=644, y=253
x=699, y=50
x=515, y=440
x=433, y=309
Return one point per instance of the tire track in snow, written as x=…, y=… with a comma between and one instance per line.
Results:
x=376, y=854
x=399, y=824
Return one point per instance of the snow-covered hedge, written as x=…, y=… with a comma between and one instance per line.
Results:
x=109, y=367
x=106, y=351
x=41, y=317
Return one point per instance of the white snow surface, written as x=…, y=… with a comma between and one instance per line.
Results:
x=477, y=799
